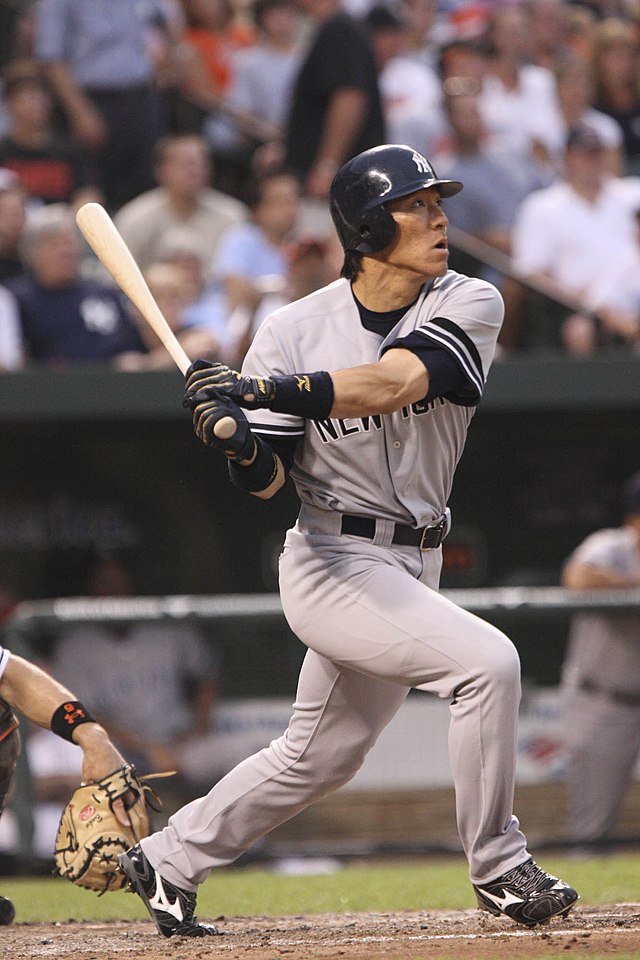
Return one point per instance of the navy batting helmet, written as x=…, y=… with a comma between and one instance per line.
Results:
x=365, y=183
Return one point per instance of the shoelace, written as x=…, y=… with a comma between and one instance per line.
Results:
x=530, y=878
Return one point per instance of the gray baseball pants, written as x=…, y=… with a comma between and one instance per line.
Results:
x=375, y=627
x=603, y=742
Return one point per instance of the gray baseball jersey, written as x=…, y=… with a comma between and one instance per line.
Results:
x=399, y=466
x=606, y=649
x=367, y=609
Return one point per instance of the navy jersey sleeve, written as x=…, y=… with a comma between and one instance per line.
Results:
x=451, y=375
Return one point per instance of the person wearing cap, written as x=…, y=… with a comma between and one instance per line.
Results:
x=601, y=679
x=572, y=232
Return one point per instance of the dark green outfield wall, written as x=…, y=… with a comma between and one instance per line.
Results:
x=92, y=460
x=96, y=460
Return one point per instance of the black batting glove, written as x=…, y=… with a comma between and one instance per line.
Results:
x=209, y=412
x=217, y=379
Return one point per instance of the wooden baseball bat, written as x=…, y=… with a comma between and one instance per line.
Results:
x=103, y=237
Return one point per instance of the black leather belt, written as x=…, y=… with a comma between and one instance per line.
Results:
x=617, y=696
x=427, y=538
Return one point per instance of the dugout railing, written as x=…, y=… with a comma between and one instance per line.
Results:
x=33, y=623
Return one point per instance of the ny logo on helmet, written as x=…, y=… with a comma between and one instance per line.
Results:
x=421, y=163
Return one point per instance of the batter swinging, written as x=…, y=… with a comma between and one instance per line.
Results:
x=399, y=350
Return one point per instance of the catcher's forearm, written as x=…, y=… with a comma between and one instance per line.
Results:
x=32, y=691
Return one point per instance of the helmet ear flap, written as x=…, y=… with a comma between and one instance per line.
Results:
x=376, y=232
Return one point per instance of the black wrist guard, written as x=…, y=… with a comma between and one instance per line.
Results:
x=258, y=475
x=67, y=717
x=308, y=395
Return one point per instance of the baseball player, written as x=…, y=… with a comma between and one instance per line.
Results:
x=364, y=391
x=50, y=705
x=601, y=680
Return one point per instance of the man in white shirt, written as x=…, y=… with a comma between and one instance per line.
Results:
x=568, y=234
x=183, y=199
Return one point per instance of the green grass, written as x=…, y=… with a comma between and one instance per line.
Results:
x=428, y=884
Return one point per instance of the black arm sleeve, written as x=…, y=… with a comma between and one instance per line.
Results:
x=283, y=447
x=447, y=377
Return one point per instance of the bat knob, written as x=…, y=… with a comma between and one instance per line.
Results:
x=225, y=428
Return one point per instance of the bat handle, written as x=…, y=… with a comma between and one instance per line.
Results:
x=225, y=428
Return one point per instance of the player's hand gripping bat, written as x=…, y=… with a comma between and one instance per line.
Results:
x=103, y=237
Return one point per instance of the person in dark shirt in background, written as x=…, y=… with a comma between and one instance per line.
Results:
x=97, y=57
x=49, y=167
x=336, y=109
x=64, y=317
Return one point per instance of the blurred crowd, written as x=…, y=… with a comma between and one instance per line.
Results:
x=211, y=131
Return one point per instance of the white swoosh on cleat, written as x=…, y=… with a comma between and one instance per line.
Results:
x=159, y=901
x=504, y=901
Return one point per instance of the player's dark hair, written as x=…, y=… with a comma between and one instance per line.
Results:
x=351, y=265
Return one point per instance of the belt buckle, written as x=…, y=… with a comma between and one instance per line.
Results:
x=439, y=526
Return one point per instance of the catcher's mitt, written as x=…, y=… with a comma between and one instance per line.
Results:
x=90, y=837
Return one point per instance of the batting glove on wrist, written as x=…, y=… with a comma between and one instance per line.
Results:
x=217, y=379
x=208, y=412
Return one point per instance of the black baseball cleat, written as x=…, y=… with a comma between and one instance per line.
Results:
x=526, y=894
x=7, y=912
x=171, y=907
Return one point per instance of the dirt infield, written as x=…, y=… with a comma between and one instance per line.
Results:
x=587, y=931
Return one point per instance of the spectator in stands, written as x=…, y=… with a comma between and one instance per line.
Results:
x=420, y=121
x=545, y=27
x=216, y=34
x=309, y=266
x=495, y=182
x=172, y=292
x=15, y=29
x=102, y=74
x=420, y=18
x=572, y=232
x=515, y=93
x=410, y=87
x=13, y=217
x=50, y=168
x=251, y=259
x=254, y=109
x=617, y=82
x=183, y=198
x=11, y=357
x=615, y=299
x=575, y=96
x=336, y=110
x=161, y=708
x=62, y=316
x=579, y=31
x=601, y=680
x=182, y=248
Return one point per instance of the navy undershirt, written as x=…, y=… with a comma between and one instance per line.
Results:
x=445, y=374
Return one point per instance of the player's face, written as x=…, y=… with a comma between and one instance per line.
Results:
x=420, y=245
